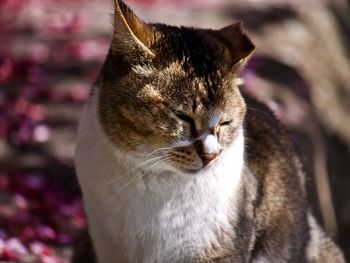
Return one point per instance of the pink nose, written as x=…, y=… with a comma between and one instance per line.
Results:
x=207, y=158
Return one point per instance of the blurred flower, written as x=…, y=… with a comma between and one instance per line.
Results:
x=45, y=232
x=14, y=250
x=37, y=212
x=41, y=133
x=6, y=67
x=48, y=58
x=88, y=50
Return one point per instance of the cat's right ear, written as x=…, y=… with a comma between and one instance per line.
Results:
x=240, y=45
x=131, y=37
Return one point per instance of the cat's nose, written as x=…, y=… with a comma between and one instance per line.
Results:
x=207, y=148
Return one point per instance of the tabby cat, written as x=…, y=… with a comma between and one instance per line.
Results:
x=177, y=165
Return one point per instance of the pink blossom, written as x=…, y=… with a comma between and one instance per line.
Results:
x=40, y=249
x=14, y=249
x=45, y=232
x=2, y=248
x=50, y=259
x=6, y=67
x=88, y=50
x=41, y=133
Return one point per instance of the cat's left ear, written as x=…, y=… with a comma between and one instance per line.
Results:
x=132, y=37
x=241, y=47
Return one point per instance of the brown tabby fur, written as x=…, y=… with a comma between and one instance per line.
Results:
x=161, y=70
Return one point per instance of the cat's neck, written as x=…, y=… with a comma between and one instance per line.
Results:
x=162, y=219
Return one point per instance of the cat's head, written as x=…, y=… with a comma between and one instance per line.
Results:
x=171, y=93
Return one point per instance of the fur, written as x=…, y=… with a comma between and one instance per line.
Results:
x=165, y=219
x=175, y=167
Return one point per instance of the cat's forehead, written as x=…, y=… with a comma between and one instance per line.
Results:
x=196, y=51
x=190, y=66
x=183, y=90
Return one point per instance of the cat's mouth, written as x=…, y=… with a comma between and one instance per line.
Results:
x=204, y=167
x=188, y=160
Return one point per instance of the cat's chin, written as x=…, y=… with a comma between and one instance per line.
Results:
x=187, y=171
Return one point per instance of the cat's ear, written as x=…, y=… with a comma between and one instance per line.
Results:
x=241, y=47
x=131, y=37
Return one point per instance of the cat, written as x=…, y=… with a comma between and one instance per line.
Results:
x=177, y=165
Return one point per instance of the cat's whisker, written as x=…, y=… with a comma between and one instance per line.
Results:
x=138, y=166
x=145, y=172
x=149, y=170
x=153, y=176
x=156, y=165
x=157, y=150
x=263, y=112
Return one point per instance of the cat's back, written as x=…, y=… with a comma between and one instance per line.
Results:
x=282, y=213
x=280, y=202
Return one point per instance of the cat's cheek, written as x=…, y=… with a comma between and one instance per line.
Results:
x=226, y=136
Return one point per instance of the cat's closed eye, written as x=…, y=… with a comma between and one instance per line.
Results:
x=185, y=118
x=226, y=123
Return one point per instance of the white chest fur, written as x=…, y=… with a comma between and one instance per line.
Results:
x=171, y=219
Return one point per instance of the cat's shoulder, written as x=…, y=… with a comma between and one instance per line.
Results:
x=273, y=161
x=261, y=125
x=270, y=152
x=267, y=139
